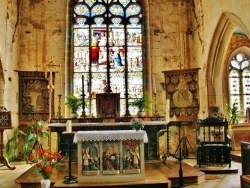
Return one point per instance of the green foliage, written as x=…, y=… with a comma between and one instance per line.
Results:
x=73, y=102
x=234, y=112
x=26, y=135
x=142, y=103
x=136, y=123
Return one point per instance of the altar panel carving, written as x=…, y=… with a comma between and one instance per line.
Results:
x=182, y=89
x=108, y=105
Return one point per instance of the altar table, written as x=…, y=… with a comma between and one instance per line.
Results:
x=121, y=147
x=151, y=127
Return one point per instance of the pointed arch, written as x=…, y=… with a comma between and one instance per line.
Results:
x=217, y=63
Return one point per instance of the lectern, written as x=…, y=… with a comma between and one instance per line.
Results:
x=5, y=123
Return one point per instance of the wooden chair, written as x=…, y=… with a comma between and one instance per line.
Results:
x=213, y=142
x=245, y=157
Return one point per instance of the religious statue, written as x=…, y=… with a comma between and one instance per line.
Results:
x=86, y=158
x=107, y=160
x=127, y=160
x=135, y=157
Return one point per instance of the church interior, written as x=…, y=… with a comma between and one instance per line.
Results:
x=125, y=93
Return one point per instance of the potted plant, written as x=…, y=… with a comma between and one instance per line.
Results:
x=142, y=104
x=24, y=138
x=73, y=102
x=234, y=112
x=136, y=124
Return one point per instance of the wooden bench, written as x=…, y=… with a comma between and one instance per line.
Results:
x=245, y=158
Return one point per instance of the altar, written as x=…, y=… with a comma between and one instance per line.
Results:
x=151, y=150
x=111, y=156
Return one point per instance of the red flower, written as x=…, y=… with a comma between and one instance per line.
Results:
x=49, y=158
x=39, y=165
x=31, y=157
x=48, y=169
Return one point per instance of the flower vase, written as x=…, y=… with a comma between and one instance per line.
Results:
x=45, y=183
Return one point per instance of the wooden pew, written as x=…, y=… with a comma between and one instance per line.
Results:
x=245, y=158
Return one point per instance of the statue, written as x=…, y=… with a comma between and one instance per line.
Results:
x=135, y=157
x=86, y=158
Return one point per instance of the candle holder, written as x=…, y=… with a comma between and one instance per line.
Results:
x=83, y=106
x=59, y=113
x=156, y=113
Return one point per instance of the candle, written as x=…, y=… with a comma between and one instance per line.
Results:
x=68, y=126
x=167, y=110
x=61, y=84
x=82, y=84
x=154, y=86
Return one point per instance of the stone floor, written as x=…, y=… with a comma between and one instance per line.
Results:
x=212, y=181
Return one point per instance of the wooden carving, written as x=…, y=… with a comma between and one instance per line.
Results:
x=182, y=88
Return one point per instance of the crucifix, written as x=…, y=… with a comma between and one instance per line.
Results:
x=49, y=67
x=180, y=65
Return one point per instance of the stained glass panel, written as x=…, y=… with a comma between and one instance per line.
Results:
x=239, y=83
x=82, y=10
x=246, y=88
x=108, y=51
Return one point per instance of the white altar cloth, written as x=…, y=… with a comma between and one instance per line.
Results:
x=110, y=135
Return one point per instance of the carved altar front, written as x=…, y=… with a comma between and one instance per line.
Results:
x=111, y=156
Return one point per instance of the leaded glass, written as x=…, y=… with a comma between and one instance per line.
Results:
x=133, y=10
x=239, y=83
x=108, y=51
x=116, y=10
x=81, y=10
x=98, y=10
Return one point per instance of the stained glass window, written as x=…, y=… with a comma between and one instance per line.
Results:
x=108, y=51
x=239, y=83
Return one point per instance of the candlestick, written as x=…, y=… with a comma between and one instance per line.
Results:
x=167, y=110
x=83, y=99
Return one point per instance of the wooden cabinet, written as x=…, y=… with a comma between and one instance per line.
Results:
x=108, y=105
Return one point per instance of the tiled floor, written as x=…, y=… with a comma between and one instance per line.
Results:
x=7, y=177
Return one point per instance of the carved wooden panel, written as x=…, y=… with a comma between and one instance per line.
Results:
x=5, y=118
x=182, y=88
x=34, y=96
x=108, y=105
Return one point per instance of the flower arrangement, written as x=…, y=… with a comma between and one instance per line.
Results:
x=136, y=123
x=45, y=162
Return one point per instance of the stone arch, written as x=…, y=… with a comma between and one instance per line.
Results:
x=216, y=75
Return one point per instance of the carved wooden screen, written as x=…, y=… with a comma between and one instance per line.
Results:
x=5, y=118
x=182, y=89
x=34, y=96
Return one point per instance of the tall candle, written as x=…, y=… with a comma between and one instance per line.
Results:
x=68, y=126
x=154, y=86
x=61, y=84
x=82, y=84
x=167, y=110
